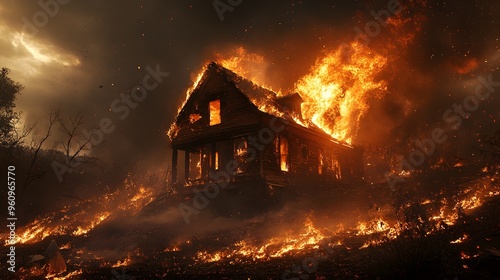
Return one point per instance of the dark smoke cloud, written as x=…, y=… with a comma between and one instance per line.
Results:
x=112, y=39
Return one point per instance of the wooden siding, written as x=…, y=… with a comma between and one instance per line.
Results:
x=241, y=119
x=238, y=114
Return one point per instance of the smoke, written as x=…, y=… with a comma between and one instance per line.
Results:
x=435, y=50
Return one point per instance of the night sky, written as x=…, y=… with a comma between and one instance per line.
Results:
x=89, y=53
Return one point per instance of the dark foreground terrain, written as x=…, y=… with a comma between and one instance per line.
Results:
x=406, y=234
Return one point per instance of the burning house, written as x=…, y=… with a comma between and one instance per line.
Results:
x=230, y=124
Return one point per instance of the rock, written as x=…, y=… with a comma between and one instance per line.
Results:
x=55, y=261
x=35, y=258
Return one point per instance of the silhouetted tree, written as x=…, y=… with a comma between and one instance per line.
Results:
x=9, y=90
x=36, y=146
x=74, y=142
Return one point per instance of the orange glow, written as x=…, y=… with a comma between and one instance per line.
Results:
x=284, y=154
x=194, y=118
x=374, y=226
x=82, y=217
x=97, y=220
x=216, y=161
x=461, y=239
x=126, y=262
x=65, y=277
x=174, y=129
x=215, y=112
x=320, y=163
x=274, y=248
x=339, y=87
x=377, y=230
x=248, y=65
x=467, y=67
x=336, y=92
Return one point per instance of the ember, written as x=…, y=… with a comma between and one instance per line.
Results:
x=315, y=140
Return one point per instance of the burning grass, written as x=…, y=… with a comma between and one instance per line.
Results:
x=450, y=229
x=82, y=217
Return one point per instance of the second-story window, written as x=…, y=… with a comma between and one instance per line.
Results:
x=214, y=108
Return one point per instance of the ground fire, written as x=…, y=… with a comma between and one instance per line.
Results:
x=355, y=221
x=312, y=170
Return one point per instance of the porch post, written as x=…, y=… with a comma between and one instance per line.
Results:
x=174, y=166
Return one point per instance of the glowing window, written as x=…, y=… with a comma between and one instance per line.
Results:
x=214, y=107
x=195, y=159
x=194, y=118
x=284, y=154
x=336, y=168
x=216, y=160
x=240, y=154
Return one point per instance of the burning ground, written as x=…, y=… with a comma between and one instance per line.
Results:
x=427, y=228
x=383, y=92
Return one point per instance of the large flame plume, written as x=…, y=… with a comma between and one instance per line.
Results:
x=338, y=90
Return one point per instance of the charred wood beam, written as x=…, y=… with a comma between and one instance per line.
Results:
x=174, y=166
x=186, y=165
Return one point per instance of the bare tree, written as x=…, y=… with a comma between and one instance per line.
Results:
x=19, y=136
x=74, y=142
x=36, y=146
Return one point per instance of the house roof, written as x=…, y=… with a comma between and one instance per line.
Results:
x=264, y=99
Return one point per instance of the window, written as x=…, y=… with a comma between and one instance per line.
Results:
x=240, y=154
x=206, y=161
x=284, y=166
x=194, y=118
x=214, y=108
x=195, y=158
x=216, y=161
x=336, y=168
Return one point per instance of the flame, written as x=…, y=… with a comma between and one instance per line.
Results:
x=252, y=66
x=461, y=239
x=206, y=257
x=376, y=230
x=471, y=197
x=375, y=226
x=214, y=108
x=311, y=238
x=65, y=246
x=465, y=256
x=337, y=92
x=339, y=87
x=126, y=262
x=67, y=276
x=172, y=132
x=94, y=222
x=274, y=248
x=82, y=217
x=136, y=201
